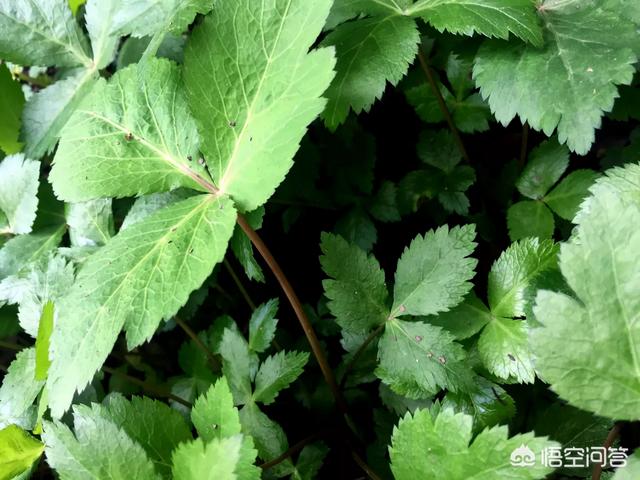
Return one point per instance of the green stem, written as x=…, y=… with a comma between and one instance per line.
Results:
x=238, y=282
x=149, y=387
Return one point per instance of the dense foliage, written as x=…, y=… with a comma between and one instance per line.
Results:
x=452, y=188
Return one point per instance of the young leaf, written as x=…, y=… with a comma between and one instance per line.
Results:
x=546, y=164
x=516, y=270
x=18, y=191
x=45, y=327
x=276, y=373
x=142, y=276
x=465, y=320
x=566, y=197
x=218, y=459
x=491, y=18
x=529, y=218
x=214, y=415
x=601, y=267
x=153, y=425
x=570, y=81
x=18, y=391
x=266, y=90
x=434, y=271
x=22, y=250
x=370, y=53
x=237, y=365
x=357, y=291
x=47, y=111
x=90, y=223
x=133, y=135
x=424, y=444
x=18, y=451
x=243, y=248
x=11, y=105
x=41, y=32
x=99, y=16
x=417, y=359
x=99, y=449
x=262, y=326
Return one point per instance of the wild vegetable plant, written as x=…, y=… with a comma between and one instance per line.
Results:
x=470, y=280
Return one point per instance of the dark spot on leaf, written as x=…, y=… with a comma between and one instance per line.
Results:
x=189, y=157
x=402, y=308
x=511, y=357
x=128, y=136
x=191, y=250
x=232, y=123
x=430, y=355
x=173, y=229
x=442, y=360
x=201, y=161
x=418, y=338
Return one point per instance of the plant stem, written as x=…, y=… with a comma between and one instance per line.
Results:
x=299, y=311
x=524, y=144
x=215, y=363
x=441, y=103
x=611, y=437
x=238, y=282
x=159, y=391
x=363, y=465
x=359, y=352
x=10, y=346
x=292, y=451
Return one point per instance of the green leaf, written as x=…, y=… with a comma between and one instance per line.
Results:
x=99, y=16
x=600, y=265
x=515, y=271
x=566, y=197
x=148, y=17
x=99, y=449
x=18, y=391
x=357, y=291
x=133, y=135
x=262, y=326
x=25, y=249
x=529, y=218
x=243, y=248
x=310, y=461
x=214, y=415
x=491, y=18
x=151, y=424
x=488, y=403
x=570, y=82
x=370, y=53
x=546, y=164
x=45, y=327
x=218, y=459
x=75, y=5
x=504, y=350
x=19, y=191
x=143, y=275
x=148, y=204
x=265, y=94
x=47, y=111
x=11, y=105
x=237, y=365
x=276, y=373
x=417, y=359
x=18, y=451
x=46, y=280
x=423, y=446
x=384, y=207
x=433, y=273
x=90, y=223
x=41, y=32
x=465, y=320
x=631, y=471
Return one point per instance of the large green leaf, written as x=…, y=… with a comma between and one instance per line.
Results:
x=216, y=460
x=433, y=273
x=588, y=347
x=547, y=162
x=214, y=415
x=529, y=218
x=370, y=53
x=254, y=87
x=19, y=191
x=569, y=82
x=439, y=447
x=99, y=449
x=11, y=105
x=132, y=135
x=18, y=451
x=41, y=32
x=276, y=373
x=143, y=275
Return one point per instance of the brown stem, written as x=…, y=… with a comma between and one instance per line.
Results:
x=441, y=103
x=363, y=465
x=359, y=352
x=611, y=437
x=292, y=451
x=215, y=363
x=238, y=282
x=524, y=144
x=299, y=311
x=159, y=391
